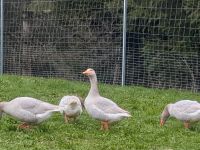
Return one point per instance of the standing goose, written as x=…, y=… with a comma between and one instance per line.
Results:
x=101, y=108
x=73, y=107
x=29, y=110
x=184, y=110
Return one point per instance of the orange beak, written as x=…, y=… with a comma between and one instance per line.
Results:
x=85, y=72
x=162, y=122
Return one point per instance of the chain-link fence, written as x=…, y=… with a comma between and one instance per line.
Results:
x=61, y=38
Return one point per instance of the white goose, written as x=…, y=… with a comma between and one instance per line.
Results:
x=101, y=108
x=184, y=110
x=73, y=107
x=29, y=110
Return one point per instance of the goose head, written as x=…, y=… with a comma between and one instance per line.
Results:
x=73, y=104
x=165, y=115
x=93, y=81
x=89, y=72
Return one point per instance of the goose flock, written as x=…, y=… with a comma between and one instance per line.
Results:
x=31, y=111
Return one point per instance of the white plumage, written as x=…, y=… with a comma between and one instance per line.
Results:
x=29, y=110
x=73, y=107
x=184, y=110
x=99, y=107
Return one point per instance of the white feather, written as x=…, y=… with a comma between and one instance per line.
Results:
x=72, y=104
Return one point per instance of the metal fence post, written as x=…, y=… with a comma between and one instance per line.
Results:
x=124, y=44
x=1, y=39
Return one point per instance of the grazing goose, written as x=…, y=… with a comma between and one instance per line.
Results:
x=101, y=108
x=29, y=110
x=73, y=107
x=184, y=110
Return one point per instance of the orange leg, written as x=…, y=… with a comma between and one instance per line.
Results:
x=162, y=122
x=104, y=125
x=186, y=125
x=24, y=126
x=66, y=118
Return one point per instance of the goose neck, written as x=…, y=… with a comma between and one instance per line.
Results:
x=165, y=114
x=94, y=85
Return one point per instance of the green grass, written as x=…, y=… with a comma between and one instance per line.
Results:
x=142, y=131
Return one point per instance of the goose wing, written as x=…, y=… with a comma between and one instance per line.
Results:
x=108, y=106
x=186, y=106
x=32, y=105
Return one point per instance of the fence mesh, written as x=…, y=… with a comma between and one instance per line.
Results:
x=62, y=38
x=163, y=43
x=1, y=38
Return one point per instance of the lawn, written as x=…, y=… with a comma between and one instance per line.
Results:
x=142, y=131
